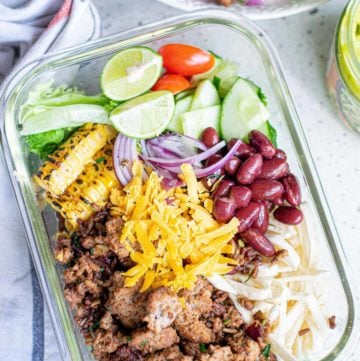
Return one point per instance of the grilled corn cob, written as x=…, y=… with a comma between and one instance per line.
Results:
x=68, y=161
x=90, y=190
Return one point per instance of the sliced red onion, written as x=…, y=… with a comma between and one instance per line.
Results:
x=176, y=147
x=127, y=158
x=203, y=172
x=117, y=159
x=124, y=153
x=190, y=160
x=161, y=152
x=193, y=142
x=196, y=143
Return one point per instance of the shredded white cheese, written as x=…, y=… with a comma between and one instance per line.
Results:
x=287, y=292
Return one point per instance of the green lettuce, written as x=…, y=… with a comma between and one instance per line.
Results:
x=50, y=114
x=49, y=108
x=46, y=143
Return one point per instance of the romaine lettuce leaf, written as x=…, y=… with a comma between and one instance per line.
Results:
x=49, y=108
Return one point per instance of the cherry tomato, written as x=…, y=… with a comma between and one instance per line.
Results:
x=185, y=59
x=173, y=82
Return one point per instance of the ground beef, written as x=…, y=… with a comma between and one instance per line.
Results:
x=218, y=353
x=127, y=304
x=171, y=354
x=147, y=341
x=162, y=308
x=123, y=324
x=244, y=347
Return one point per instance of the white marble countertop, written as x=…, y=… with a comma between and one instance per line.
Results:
x=303, y=42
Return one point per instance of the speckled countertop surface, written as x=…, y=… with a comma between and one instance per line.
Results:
x=303, y=42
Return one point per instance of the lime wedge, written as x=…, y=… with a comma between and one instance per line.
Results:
x=130, y=72
x=145, y=116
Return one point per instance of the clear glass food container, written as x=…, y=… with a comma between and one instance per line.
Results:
x=233, y=37
x=343, y=75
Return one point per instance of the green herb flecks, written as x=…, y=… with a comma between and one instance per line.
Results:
x=266, y=351
x=250, y=275
x=100, y=160
x=143, y=343
x=94, y=326
x=203, y=348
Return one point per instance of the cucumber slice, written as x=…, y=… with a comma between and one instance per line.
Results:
x=226, y=84
x=181, y=106
x=183, y=94
x=259, y=92
x=242, y=111
x=194, y=122
x=205, y=96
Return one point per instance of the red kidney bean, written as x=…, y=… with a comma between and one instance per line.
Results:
x=210, y=137
x=224, y=209
x=262, y=144
x=247, y=216
x=232, y=165
x=270, y=205
x=244, y=150
x=274, y=168
x=223, y=188
x=262, y=221
x=292, y=192
x=266, y=190
x=280, y=154
x=254, y=330
x=279, y=201
x=250, y=169
x=258, y=241
x=214, y=159
x=289, y=215
x=241, y=196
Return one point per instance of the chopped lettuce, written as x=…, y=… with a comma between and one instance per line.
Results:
x=50, y=114
x=46, y=94
x=49, y=108
x=45, y=143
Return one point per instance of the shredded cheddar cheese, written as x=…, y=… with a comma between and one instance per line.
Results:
x=171, y=235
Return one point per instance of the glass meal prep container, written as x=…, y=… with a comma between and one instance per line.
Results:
x=233, y=37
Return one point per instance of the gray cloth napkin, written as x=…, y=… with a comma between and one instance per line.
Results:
x=28, y=29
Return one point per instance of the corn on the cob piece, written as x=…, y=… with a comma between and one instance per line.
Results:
x=90, y=190
x=68, y=161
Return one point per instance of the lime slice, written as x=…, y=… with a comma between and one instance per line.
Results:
x=130, y=72
x=145, y=116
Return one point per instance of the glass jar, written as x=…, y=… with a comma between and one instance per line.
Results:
x=343, y=75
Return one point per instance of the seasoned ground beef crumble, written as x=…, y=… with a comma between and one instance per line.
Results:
x=121, y=323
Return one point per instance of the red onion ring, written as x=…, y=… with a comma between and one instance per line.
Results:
x=203, y=172
x=190, y=160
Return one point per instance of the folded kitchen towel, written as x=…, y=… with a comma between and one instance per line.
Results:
x=29, y=29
